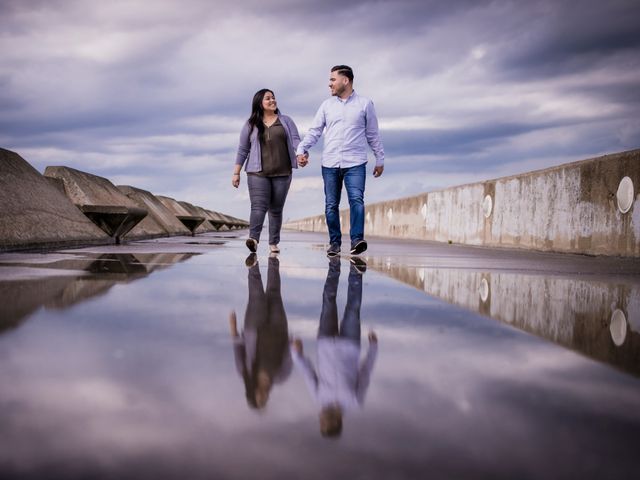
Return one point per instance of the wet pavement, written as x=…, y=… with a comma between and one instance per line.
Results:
x=170, y=358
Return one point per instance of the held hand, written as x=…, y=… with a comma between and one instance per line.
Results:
x=303, y=160
x=235, y=180
x=373, y=338
x=377, y=171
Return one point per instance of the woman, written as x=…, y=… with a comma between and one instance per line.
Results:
x=261, y=351
x=268, y=143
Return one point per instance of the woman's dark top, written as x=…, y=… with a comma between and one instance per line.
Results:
x=275, y=151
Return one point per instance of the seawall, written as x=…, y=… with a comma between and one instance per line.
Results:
x=586, y=207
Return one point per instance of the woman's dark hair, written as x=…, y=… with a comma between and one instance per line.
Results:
x=255, y=120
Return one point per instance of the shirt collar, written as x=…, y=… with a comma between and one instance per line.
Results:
x=349, y=98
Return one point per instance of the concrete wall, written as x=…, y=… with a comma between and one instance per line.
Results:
x=569, y=208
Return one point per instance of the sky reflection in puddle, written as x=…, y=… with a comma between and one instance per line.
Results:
x=130, y=374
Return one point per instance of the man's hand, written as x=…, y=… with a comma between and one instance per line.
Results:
x=235, y=180
x=297, y=345
x=303, y=159
x=377, y=171
x=373, y=338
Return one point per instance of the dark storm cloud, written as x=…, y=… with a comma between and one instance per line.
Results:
x=451, y=141
x=572, y=37
x=156, y=92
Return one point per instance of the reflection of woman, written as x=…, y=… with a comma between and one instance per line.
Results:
x=262, y=350
x=268, y=143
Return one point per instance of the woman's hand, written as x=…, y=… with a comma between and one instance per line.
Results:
x=297, y=345
x=235, y=180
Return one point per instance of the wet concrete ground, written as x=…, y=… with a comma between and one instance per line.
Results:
x=122, y=362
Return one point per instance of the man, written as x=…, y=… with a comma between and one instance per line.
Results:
x=341, y=379
x=351, y=123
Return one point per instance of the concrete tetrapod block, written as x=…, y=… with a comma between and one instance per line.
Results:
x=100, y=200
x=237, y=222
x=233, y=222
x=198, y=212
x=116, y=221
x=160, y=222
x=36, y=214
x=216, y=219
x=192, y=222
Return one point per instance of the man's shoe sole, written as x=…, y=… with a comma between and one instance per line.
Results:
x=252, y=245
x=360, y=247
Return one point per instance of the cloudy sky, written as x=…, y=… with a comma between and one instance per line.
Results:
x=154, y=93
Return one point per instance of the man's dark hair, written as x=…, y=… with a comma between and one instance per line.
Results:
x=344, y=70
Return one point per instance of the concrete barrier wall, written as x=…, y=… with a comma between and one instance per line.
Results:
x=570, y=208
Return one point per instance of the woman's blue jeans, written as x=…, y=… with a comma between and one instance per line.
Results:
x=354, y=180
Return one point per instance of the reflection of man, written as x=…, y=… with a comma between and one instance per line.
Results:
x=350, y=124
x=341, y=380
x=262, y=351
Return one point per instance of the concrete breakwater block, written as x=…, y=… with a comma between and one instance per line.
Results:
x=100, y=200
x=238, y=223
x=115, y=221
x=218, y=220
x=160, y=222
x=195, y=211
x=192, y=222
x=35, y=213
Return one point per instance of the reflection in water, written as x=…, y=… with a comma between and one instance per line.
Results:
x=122, y=386
x=340, y=381
x=96, y=275
x=262, y=350
x=598, y=318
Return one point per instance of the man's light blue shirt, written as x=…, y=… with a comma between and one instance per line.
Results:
x=351, y=125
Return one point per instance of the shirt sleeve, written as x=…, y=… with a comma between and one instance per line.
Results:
x=295, y=136
x=303, y=364
x=364, y=375
x=239, y=354
x=244, y=145
x=314, y=133
x=373, y=134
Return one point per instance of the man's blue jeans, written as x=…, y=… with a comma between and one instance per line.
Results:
x=354, y=180
x=350, y=324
